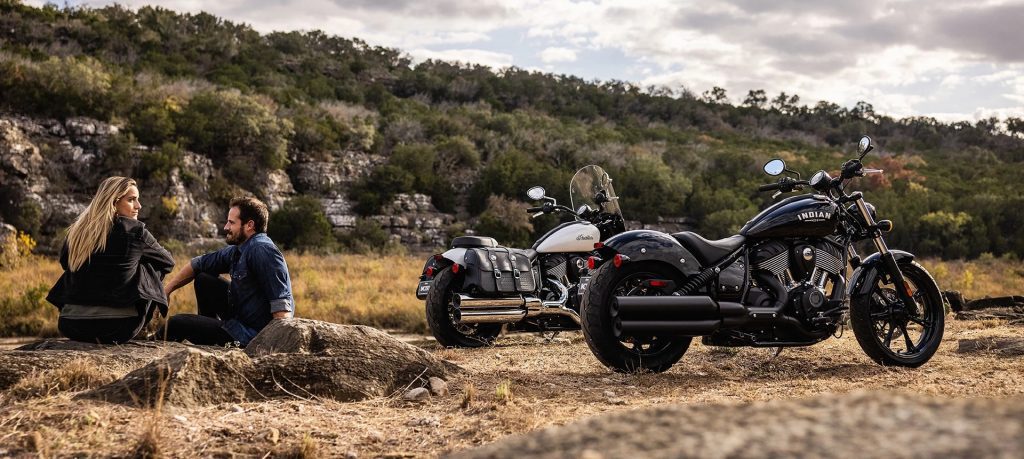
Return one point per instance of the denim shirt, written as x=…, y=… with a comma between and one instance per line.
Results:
x=260, y=284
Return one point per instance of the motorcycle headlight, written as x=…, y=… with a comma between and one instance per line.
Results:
x=852, y=209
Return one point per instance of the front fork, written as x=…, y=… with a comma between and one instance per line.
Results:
x=888, y=260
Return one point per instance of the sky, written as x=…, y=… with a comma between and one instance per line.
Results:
x=949, y=59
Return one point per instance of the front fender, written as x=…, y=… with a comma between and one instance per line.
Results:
x=865, y=276
x=648, y=245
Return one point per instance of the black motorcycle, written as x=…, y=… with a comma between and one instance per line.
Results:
x=780, y=282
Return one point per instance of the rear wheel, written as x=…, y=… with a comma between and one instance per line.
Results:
x=627, y=354
x=893, y=334
x=441, y=316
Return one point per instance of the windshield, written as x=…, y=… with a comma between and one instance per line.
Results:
x=589, y=183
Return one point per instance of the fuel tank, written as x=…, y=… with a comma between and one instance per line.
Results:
x=569, y=237
x=806, y=215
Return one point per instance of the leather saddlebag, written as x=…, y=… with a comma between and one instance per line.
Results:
x=499, y=270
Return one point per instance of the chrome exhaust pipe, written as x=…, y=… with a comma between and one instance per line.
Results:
x=473, y=310
x=556, y=307
x=489, y=316
x=466, y=302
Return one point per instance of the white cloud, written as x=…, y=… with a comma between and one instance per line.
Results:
x=552, y=55
x=495, y=61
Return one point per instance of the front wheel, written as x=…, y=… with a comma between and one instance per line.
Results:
x=441, y=316
x=627, y=354
x=893, y=334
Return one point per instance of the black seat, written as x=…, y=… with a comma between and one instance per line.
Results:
x=469, y=242
x=530, y=253
x=709, y=252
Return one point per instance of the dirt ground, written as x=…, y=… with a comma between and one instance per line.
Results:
x=521, y=384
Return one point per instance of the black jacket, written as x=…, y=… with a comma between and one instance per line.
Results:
x=129, y=272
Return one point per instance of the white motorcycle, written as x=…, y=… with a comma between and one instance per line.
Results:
x=478, y=286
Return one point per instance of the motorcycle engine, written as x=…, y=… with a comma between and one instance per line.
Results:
x=802, y=267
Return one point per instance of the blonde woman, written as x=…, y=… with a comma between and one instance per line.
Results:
x=113, y=269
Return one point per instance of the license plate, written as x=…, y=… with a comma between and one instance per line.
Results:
x=423, y=290
x=582, y=289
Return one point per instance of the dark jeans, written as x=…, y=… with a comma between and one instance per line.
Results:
x=102, y=331
x=214, y=308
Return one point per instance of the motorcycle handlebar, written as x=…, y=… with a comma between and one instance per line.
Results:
x=768, y=187
x=534, y=210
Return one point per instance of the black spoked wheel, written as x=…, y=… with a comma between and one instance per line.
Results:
x=441, y=316
x=627, y=354
x=890, y=332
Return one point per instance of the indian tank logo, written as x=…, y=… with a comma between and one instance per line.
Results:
x=814, y=216
x=584, y=237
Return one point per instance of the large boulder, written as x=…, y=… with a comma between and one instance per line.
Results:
x=878, y=424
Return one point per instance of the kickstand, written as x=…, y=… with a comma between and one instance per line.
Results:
x=778, y=351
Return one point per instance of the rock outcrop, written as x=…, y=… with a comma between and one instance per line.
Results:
x=57, y=165
x=877, y=424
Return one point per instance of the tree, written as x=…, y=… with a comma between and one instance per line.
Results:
x=715, y=95
x=755, y=99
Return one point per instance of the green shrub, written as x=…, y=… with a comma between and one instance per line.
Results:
x=223, y=124
x=152, y=125
x=157, y=164
x=367, y=236
x=300, y=224
x=17, y=209
x=507, y=221
x=379, y=188
x=27, y=315
x=63, y=87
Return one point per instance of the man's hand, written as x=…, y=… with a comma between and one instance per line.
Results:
x=282, y=315
x=179, y=279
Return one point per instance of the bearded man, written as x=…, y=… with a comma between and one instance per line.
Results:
x=260, y=289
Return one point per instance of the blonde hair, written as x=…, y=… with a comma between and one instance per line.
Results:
x=88, y=234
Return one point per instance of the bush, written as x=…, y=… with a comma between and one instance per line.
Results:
x=153, y=125
x=379, y=188
x=507, y=221
x=367, y=236
x=27, y=315
x=63, y=87
x=158, y=164
x=300, y=224
x=19, y=210
x=225, y=123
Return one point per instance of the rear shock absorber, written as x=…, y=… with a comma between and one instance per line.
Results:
x=698, y=280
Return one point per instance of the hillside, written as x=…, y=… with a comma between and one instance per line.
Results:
x=360, y=138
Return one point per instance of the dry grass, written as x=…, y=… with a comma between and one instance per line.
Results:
x=985, y=277
x=76, y=375
x=375, y=290
x=553, y=384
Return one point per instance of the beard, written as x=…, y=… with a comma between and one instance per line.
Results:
x=234, y=239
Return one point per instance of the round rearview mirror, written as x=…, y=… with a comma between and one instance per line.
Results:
x=774, y=167
x=865, y=145
x=536, y=192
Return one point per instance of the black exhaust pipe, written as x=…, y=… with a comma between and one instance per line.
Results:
x=674, y=315
x=666, y=327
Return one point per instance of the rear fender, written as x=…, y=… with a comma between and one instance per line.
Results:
x=647, y=245
x=437, y=262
